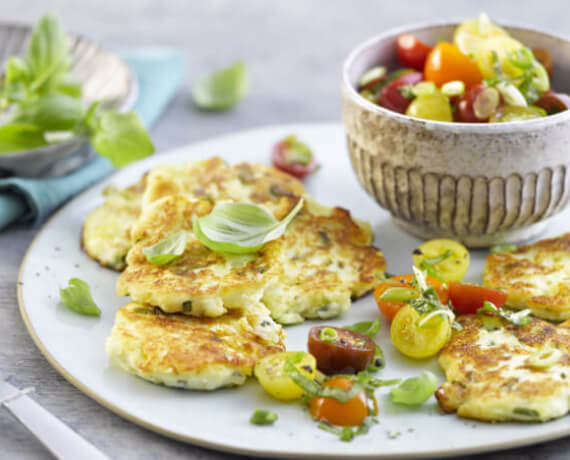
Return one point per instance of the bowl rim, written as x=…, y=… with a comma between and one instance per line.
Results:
x=128, y=102
x=452, y=126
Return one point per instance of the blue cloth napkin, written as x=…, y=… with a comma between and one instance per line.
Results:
x=159, y=72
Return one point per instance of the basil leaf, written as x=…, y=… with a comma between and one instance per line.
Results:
x=48, y=54
x=240, y=228
x=369, y=328
x=121, y=137
x=416, y=390
x=70, y=86
x=165, y=251
x=222, y=89
x=77, y=297
x=52, y=112
x=15, y=137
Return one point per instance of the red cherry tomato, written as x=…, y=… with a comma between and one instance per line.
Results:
x=411, y=51
x=464, y=112
x=392, y=98
x=351, y=413
x=348, y=353
x=468, y=298
x=446, y=63
x=284, y=161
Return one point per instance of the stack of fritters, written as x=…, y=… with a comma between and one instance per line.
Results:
x=323, y=260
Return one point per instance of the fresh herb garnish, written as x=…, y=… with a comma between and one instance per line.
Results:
x=166, y=250
x=347, y=433
x=398, y=294
x=263, y=417
x=222, y=89
x=428, y=265
x=240, y=228
x=328, y=334
x=415, y=390
x=77, y=297
x=520, y=318
x=43, y=98
x=500, y=248
x=369, y=328
x=296, y=151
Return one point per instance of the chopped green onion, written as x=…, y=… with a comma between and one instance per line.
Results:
x=511, y=94
x=374, y=74
x=416, y=390
x=545, y=358
x=486, y=103
x=368, y=95
x=328, y=334
x=369, y=328
x=378, y=361
x=441, y=312
x=297, y=151
x=500, y=248
x=398, y=294
x=453, y=88
x=424, y=87
x=263, y=417
x=540, y=81
x=522, y=58
x=520, y=318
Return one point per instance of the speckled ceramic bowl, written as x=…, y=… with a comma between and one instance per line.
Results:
x=104, y=77
x=479, y=183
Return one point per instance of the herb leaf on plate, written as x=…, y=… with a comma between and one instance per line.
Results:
x=165, y=251
x=415, y=390
x=121, y=137
x=222, y=89
x=240, y=228
x=77, y=297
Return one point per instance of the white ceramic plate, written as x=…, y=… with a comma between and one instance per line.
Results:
x=74, y=344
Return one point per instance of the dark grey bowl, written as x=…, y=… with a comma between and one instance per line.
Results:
x=104, y=77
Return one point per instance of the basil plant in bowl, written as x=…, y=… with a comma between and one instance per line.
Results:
x=58, y=95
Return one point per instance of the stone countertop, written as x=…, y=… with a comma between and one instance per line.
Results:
x=294, y=51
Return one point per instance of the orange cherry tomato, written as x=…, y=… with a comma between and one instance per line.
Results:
x=411, y=51
x=446, y=63
x=389, y=309
x=468, y=298
x=351, y=413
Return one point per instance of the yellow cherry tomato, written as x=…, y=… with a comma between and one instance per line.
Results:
x=433, y=106
x=448, y=258
x=417, y=341
x=498, y=51
x=271, y=374
x=469, y=35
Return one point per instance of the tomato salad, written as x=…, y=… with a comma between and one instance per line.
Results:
x=335, y=378
x=484, y=75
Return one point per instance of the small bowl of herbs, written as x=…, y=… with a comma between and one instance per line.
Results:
x=61, y=97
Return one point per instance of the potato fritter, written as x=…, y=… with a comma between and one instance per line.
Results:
x=536, y=276
x=497, y=371
x=192, y=353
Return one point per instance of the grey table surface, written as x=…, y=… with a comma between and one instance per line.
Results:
x=294, y=51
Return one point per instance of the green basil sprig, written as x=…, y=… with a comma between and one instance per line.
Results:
x=240, y=228
x=43, y=98
x=369, y=328
x=77, y=297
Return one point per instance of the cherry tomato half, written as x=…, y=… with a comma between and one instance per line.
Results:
x=553, y=103
x=543, y=56
x=411, y=51
x=468, y=298
x=351, y=413
x=392, y=98
x=446, y=63
x=291, y=157
x=390, y=309
x=340, y=351
x=465, y=112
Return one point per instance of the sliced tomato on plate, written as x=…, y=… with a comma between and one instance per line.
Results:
x=468, y=298
x=293, y=157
